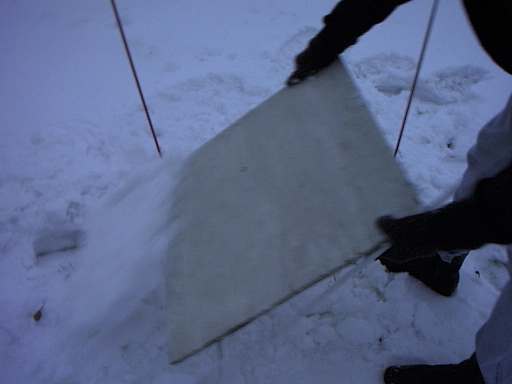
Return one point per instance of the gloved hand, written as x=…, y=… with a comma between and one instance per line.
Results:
x=409, y=237
x=310, y=62
x=456, y=226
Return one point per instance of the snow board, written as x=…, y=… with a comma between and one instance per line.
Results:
x=280, y=199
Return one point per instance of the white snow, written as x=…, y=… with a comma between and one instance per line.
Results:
x=84, y=198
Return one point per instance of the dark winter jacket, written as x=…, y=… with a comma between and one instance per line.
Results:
x=491, y=20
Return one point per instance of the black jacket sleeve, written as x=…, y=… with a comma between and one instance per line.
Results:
x=484, y=217
x=349, y=20
x=493, y=206
x=492, y=22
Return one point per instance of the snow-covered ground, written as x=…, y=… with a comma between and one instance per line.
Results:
x=84, y=196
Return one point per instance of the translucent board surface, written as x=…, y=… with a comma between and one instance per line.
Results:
x=280, y=198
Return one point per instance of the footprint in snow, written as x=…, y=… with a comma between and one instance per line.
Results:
x=58, y=241
x=392, y=74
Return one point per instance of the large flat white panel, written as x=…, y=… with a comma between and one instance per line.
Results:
x=285, y=195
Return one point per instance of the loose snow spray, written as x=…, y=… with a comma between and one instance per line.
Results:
x=118, y=294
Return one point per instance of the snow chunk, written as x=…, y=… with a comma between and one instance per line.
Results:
x=58, y=241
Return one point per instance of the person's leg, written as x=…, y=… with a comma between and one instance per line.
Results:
x=439, y=275
x=467, y=372
x=494, y=340
x=492, y=362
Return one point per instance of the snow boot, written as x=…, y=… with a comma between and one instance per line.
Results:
x=440, y=276
x=467, y=372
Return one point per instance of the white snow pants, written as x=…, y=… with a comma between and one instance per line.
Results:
x=491, y=154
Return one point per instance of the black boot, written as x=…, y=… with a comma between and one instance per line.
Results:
x=467, y=372
x=440, y=276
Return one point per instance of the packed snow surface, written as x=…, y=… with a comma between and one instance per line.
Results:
x=85, y=199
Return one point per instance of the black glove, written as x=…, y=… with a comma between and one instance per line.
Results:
x=310, y=62
x=347, y=21
x=409, y=237
x=457, y=226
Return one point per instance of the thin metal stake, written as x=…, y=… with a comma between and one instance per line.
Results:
x=416, y=75
x=127, y=49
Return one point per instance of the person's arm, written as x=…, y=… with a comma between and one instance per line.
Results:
x=485, y=217
x=342, y=27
